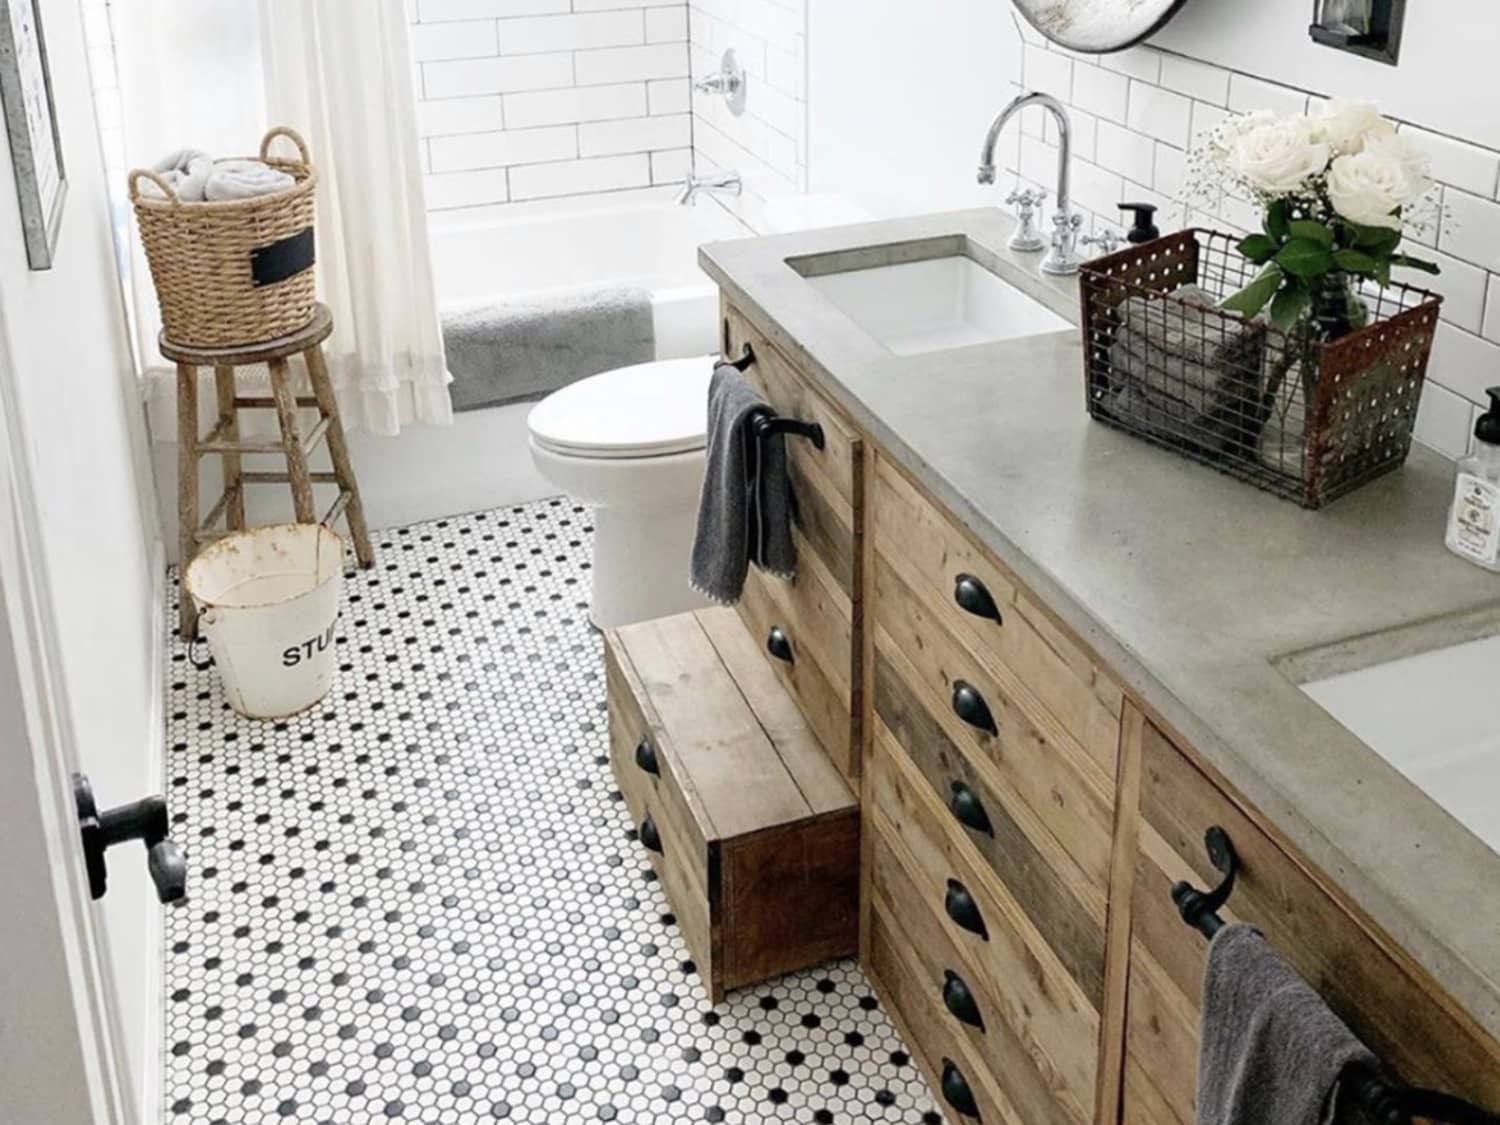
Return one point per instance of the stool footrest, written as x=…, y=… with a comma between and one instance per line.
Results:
x=286, y=478
x=256, y=402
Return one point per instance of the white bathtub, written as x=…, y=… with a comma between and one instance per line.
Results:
x=652, y=244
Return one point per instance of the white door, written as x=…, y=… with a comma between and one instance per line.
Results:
x=62, y=1055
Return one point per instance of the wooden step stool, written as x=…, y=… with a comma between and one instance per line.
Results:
x=224, y=439
x=748, y=825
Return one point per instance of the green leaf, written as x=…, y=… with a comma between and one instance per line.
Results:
x=1375, y=240
x=1278, y=220
x=1251, y=299
x=1311, y=231
x=1259, y=248
x=1303, y=258
x=1415, y=264
x=1288, y=306
x=1356, y=261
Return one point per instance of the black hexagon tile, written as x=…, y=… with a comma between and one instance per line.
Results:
x=420, y=902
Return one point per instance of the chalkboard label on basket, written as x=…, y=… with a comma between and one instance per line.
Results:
x=284, y=258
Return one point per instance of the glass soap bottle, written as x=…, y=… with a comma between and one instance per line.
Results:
x=1474, y=521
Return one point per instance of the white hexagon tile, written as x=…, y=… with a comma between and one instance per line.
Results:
x=421, y=901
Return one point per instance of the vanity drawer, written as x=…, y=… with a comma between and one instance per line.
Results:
x=816, y=613
x=1387, y=1000
x=946, y=1054
x=804, y=628
x=1059, y=796
x=956, y=907
x=1047, y=672
x=943, y=994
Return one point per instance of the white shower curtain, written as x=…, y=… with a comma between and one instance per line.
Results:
x=340, y=74
x=211, y=75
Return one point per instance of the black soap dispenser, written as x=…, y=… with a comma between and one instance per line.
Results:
x=1474, y=520
x=1144, y=228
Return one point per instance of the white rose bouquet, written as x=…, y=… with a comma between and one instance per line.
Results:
x=1335, y=187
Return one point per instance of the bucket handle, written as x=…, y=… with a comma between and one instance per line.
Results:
x=202, y=665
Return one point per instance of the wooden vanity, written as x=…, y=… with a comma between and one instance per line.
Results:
x=1022, y=815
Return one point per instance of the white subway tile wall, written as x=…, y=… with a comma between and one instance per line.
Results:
x=767, y=144
x=522, y=100
x=1136, y=116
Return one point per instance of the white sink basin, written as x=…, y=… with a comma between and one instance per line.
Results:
x=936, y=304
x=1432, y=716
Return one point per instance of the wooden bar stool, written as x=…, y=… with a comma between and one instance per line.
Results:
x=224, y=439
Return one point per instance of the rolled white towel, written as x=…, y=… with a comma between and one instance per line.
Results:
x=245, y=179
x=185, y=172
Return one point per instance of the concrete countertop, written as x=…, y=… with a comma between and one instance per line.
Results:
x=1207, y=597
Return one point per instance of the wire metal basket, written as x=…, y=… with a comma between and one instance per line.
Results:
x=1306, y=418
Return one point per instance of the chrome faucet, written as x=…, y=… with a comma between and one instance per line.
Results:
x=720, y=183
x=1062, y=258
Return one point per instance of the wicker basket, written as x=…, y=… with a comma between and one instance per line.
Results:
x=1307, y=419
x=234, y=272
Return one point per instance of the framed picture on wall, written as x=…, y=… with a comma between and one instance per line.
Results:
x=31, y=125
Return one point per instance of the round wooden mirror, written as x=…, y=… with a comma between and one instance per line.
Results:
x=1098, y=26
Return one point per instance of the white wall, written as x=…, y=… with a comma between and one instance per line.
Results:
x=899, y=98
x=86, y=447
x=766, y=144
x=1446, y=79
x=522, y=100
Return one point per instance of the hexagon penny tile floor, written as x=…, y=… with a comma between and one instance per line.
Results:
x=422, y=901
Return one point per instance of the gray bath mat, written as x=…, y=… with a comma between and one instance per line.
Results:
x=524, y=348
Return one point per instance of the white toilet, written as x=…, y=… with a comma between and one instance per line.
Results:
x=629, y=443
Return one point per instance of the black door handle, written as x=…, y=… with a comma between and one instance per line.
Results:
x=146, y=821
x=645, y=757
x=960, y=1001
x=964, y=911
x=972, y=597
x=970, y=706
x=650, y=837
x=969, y=810
x=778, y=644
x=956, y=1091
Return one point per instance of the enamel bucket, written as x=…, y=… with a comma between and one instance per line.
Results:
x=268, y=603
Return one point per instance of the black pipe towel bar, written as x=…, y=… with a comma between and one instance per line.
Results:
x=1383, y=1100
x=767, y=422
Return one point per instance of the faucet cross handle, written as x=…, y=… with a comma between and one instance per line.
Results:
x=1062, y=259
x=1027, y=237
x=1107, y=239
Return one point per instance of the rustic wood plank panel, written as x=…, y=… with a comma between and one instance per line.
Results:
x=1036, y=1094
x=1070, y=801
x=1390, y=1003
x=1061, y=678
x=1015, y=967
x=1064, y=921
x=807, y=764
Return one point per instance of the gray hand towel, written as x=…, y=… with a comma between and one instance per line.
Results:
x=1271, y=1052
x=745, y=509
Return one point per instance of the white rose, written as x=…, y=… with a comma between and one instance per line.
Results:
x=1370, y=187
x=1278, y=157
x=1349, y=126
x=1413, y=159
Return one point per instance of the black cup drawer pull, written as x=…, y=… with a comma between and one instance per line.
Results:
x=650, y=837
x=969, y=810
x=956, y=1091
x=778, y=644
x=970, y=706
x=645, y=757
x=960, y=1001
x=972, y=597
x=964, y=911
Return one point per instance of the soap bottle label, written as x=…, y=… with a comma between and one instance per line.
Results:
x=1476, y=519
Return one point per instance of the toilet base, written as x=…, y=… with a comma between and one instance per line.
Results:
x=641, y=566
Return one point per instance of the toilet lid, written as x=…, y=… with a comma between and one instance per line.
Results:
x=647, y=410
